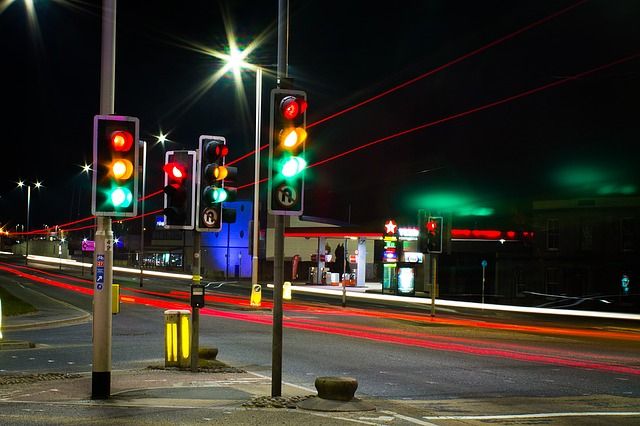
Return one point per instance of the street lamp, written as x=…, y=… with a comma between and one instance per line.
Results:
x=235, y=62
x=36, y=185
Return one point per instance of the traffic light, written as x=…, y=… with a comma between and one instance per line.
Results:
x=433, y=228
x=214, y=176
x=179, y=189
x=115, y=162
x=287, y=152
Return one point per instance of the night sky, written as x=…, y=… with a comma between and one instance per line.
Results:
x=485, y=147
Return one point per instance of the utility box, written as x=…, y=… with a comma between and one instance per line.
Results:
x=197, y=296
x=177, y=338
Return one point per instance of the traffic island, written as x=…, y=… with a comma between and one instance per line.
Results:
x=335, y=394
x=16, y=344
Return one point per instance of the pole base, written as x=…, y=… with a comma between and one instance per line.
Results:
x=100, y=384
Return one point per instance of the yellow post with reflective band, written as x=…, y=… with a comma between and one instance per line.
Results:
x=115, y=298
x=177, y=338
x=256, y=295
x=286, y=290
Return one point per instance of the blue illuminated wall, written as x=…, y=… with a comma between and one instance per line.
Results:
x=233, y=240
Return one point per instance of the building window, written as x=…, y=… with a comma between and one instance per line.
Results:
x=586, y=237
x=553, y=234
x=627, y=236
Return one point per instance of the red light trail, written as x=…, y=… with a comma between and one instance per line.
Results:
x=473, y=347
x=479, y=108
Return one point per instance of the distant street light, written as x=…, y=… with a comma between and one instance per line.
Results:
x=36, y=185
x=161, y=139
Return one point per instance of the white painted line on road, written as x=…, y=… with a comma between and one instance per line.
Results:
x=536, y=415
x=408, y=419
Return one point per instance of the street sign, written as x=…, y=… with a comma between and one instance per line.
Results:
x=100, y=272
x=88, y=245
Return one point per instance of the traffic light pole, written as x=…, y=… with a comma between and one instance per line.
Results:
x=103, y=279
x=256, y=184
x=101, y=369
x=195, y=312
x=434, y=283
x=278, y=241
x=143, y=145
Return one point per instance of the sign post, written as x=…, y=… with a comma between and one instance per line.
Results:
x=484, y=267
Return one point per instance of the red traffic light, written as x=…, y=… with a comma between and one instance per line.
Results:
x=175, y=171
x=291, y=107
x=215, y=150
x=121, y=140
x=432, y=226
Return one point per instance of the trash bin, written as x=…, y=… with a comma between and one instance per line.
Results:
x=313, y=275
x=177, y=338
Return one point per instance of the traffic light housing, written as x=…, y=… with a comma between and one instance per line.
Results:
x=287, y=161
x=433, y=228
x=213, y=181
x=179, y=189
x=115, y=162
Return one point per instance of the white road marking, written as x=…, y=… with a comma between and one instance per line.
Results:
x=407, y=418
x=536, y=415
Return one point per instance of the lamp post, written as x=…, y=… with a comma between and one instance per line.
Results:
x=143, y=146
x=256, y=180
x=36, y=185
x=235, y=61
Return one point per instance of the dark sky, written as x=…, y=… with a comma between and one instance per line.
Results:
x=578, y=138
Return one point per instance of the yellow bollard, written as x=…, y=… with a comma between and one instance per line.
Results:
x=115, y=298
x=177, y=338
x=286, y=290
x=256, y=295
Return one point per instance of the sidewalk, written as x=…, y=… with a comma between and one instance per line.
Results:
x=228, y=398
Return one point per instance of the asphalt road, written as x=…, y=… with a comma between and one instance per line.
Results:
x=394, y=353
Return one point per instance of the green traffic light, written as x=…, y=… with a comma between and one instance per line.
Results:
x=292, y=166
x=121, y=197
x=212, y=195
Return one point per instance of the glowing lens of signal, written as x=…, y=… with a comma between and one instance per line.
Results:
x=219, y=195
x=292, y=166
x=121, y=140
x=121, y=197
x=290, y=107
x=122, y=169
x=292, y=137
x=175, y=171
x=220, y=172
